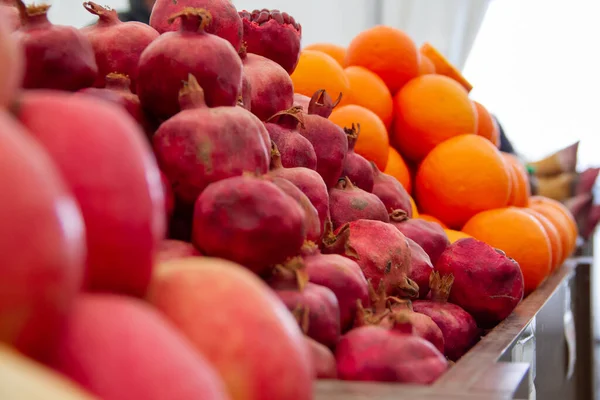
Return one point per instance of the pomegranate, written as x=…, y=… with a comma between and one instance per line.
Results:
x=307, y=180
x=128, y=368
x=10, y=15
x=340, y=274
x=265, y=356
x=328, y=140
x=430, y=236
x=56, y=56
x=171, y=58
x=458, y=326
x=245, y=95
x=422, y=325
x=373, y=353
x=169, y=195
x=390, y=191
x=420, y=267
x=42, y=242
x=117, y=91
x=487, y=283
x=379, y=249
x=108, y=165
x=294, y=149
x=117, y=45
x=322, y=360
x=349, y=203
x=322, y=307
x=202, y=145
x=171, y=249
x=311, y=221
x=271, y=88
x=322, y=104
x=274, y=35
x=248, y=220
x=356, y=167
x=11, y=65
x=301, y=101
x=225, y=21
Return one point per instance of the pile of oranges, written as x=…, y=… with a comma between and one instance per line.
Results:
x=419, y=125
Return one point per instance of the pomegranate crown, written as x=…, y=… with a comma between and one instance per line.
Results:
x=322, y=104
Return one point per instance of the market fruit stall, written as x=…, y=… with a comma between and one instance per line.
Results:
x=196, y=208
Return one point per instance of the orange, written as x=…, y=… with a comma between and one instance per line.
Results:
x=373, y=142
x=397, y=168
x=338, y=53
x=453, y=235
x=520, y=190
x=369, y=90
x=553, y=236
x=425, y=65
x=415, y=211
x=428, y=110
x=562, y=219
x=443, y=66
x=486, y=126
x=520, y=235
x=315, y=71
x=388, y=52
x=431, y=218
x=460, y=178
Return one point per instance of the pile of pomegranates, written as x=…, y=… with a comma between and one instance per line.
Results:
x=216, y=234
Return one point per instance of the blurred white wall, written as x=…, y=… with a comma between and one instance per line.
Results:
x=450, y=25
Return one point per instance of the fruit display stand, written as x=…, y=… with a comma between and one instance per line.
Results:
x=542, y=350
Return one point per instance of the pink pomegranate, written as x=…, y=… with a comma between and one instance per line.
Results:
x=169, y=195
x=349, y=203
x=420, y=267
x=56, y=56
x=145, y=351
x=373, y=353
x=274, y=35
x=422, y=325
x=390, y=191
x=10, y=15
x=340, y=274
x=356, y=167
x=458, y=326
x=108, y=164
x=429, y=235
x=322, y=307
x=117, y=45
x=248, y=220
x=117, y=90
x=380, y=250
x=271, y=88
x=171, y=58
x=171, y=249
x=308, y=181
x=42, y=242
x=11, y=64
x=322, y=360
x=487, y=283
x=253, y=340
x=294, y=149
x=301, y=101
x=202, y=145
x=328, y=140
x=245, y=95
x=224, y=23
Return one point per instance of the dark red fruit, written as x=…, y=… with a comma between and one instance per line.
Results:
x=225, y=21
x=328, y=139
x=390, y=191
x=202, y=145
x=56, y=56
x=169, y=60
x=323, y=360
x=356, y=167
x=117, y=45
x=349, y=203
x=429, y=235
x=294, y=149
x=420, y=267
x=274, y=35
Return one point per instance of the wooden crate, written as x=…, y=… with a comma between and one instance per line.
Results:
x=542, y=350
